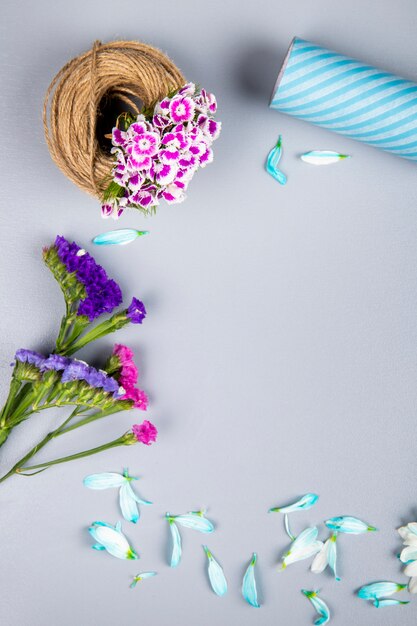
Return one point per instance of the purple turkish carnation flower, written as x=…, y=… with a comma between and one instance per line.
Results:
x=55, y=362
x=76, y=370
x=30, y=356
x=136, y=311
x=181, y=109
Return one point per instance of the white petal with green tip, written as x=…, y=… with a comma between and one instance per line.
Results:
x=323, y=157
x=249, y=590
x=216, y=575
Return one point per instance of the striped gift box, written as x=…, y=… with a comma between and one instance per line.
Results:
x=348, y=97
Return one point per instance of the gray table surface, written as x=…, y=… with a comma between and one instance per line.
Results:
x=279, y=352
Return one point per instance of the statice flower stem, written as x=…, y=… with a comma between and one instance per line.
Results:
x=95, y=416
x=38, y=447
x=15, y=386
x=116, y=322
x=120, y=441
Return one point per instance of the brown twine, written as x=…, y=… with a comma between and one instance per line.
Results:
x=126, y=70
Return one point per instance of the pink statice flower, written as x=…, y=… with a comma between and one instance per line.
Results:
x=145, y=433
x=128, y=377
x=157, y=154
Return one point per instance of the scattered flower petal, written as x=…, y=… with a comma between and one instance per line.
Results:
x=376, y=591
x=326, y=557
x=349, y=525
x=412, y=585
x=140, y=577
x=272, y=161
x=409, y=534
x=323, y=157
x=127, y=498
x=216, y=575
x=249, y=590
x=303, y=547
x=408, y=554
x=379, y=604
x=120, y=237
x=107, y=480
x=112, y=539
x=302, y=504
x=320, y=606
x=176, y=542
x=194, y=520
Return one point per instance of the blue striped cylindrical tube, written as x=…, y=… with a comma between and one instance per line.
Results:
x=348, y=97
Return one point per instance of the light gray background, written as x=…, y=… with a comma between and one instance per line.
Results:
x=280, y=349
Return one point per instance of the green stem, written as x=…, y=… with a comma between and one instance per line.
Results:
x=94, y=417
x=14, y=388
x=116, y=322
x=120, y=441
x=36, y=448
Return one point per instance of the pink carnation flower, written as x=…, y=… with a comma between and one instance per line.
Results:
x=145, y=433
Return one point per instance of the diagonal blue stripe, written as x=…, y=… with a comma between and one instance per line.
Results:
x=333, y=80
x=409, y=133
x=314, y=73
x=298, y=51
x=311, y=61
x=383, y=116
x=370, y=107
x=389, y=127
x=413, y=144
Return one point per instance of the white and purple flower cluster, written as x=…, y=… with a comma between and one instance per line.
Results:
x=157, y=156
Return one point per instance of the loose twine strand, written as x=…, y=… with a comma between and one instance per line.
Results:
x=124, y=70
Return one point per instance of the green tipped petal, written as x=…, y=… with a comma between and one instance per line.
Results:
x=119, y=237
x=176, y=543
x=216, y=575
x=379, y=604
x=194, y=520
x=249, y=590
x=302, y=504
x=272, y=161
x=349, y=525
x=140, y=577
x=320, y=606
x=323, y=157
x=112, y=539
x=376, y=591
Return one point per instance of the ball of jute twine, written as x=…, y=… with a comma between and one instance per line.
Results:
x=125, y=70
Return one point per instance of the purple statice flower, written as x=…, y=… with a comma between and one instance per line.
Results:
x=136, y=311
x=95, y=378
x=98, y=379
x=76, y=370
x=103, y=294
x=30, y=356
x=55, y=362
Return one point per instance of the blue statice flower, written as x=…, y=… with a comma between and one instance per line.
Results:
x=136, y=311
x=55, y=362
x=30, y=356
x=76, y=370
